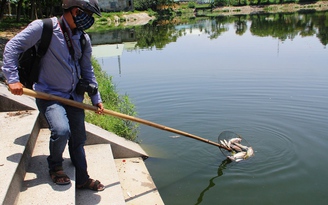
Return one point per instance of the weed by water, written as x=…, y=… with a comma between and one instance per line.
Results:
x=112, y=100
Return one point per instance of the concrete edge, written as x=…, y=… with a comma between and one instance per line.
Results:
x=101, y=166
x=137, y=184
x=19, y=173
x=121, y=147
x=37, y=184
x=10, y=102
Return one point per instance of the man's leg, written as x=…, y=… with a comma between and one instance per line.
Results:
x=76, y=143
x=56, y=117
x=76, y=148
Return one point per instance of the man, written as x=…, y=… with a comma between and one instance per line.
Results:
x=61, y=68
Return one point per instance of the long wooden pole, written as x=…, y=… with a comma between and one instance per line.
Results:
x=73, y=103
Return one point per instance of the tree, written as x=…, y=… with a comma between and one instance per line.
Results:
x=2, y=8
x=32, y=9
x=19, y=10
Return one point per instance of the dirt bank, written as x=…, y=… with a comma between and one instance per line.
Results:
x=137, y=19
x=234, y=10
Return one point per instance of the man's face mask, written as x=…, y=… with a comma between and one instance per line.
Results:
x=83, y=21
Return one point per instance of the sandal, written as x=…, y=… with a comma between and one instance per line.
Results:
x=92, y=184
x=59, y=177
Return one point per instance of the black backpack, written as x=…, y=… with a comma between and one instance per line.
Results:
x=28, y=62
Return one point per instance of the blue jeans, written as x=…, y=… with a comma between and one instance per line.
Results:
x=66, y=124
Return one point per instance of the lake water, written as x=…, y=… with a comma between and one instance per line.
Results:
x=271, y=91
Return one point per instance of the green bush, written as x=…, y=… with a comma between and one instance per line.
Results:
x=191, y=4
x=112, y=101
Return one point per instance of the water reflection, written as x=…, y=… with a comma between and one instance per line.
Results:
x=109, y=50
x=281, y=26
x=211, y=184
x=234, y=82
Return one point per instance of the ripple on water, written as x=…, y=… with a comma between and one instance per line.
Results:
x=275, y=153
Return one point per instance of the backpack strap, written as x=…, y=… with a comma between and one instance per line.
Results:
x=83, y=41
x=46, y=36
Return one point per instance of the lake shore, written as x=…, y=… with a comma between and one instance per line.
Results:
x=292, y=7
x=142, y=18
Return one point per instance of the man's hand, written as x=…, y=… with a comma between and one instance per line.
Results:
x=16, y=88
x=100, y=108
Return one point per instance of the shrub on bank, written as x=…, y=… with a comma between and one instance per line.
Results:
x=112, y=100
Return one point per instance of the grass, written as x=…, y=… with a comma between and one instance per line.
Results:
x=112, y=101
x=10, y=23
x=113, y=20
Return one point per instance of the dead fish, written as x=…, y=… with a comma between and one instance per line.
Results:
x=235, y=140
x=229, y=144
x=241, y=146
x=237, y=157
x=175, y=136
x=249, y=153
x=231, y=158
x=238, y=160
x=223, y=143
x=236, y=148
x=234, y=159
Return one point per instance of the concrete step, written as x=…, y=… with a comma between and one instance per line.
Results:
x=121, y=147
x=24, y=170
x=19, y=130
x=37, y=184
x=10, y=102
x=37, y=187
x=101, y=166
x=137, y=184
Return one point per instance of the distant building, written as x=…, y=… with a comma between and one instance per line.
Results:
x=116, y=5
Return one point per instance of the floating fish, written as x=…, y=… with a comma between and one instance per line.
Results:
x=238, y=151
x=231, y=158
x=241, y=146
x=229, y=144
x=223, y=143
x=234, y=159
x=175, y=136
x=238, y=156
x=236, y=148
x=235, y=140
x=249, y=153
